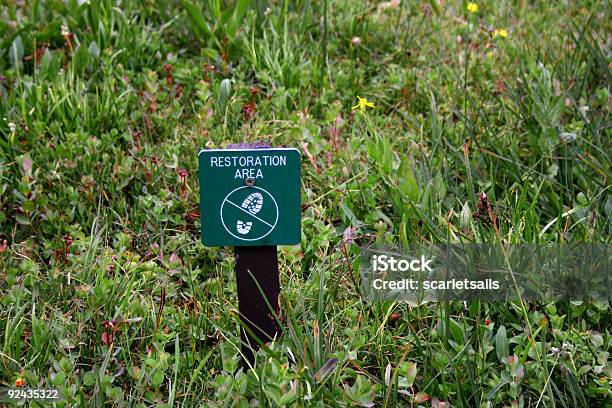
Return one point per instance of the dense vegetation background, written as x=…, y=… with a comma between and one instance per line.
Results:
x=106, y=292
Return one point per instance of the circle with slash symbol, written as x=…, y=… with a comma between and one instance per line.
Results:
x=249, y=213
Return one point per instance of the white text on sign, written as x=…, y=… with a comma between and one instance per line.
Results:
x=248, y=165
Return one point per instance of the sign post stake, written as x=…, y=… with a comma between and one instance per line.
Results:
x=250, y=199
x=258, y=291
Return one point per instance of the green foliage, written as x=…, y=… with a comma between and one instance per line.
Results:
x=217, y=28
x=106, y=292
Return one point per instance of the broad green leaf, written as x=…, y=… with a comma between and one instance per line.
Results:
x=197, y=18
x=501, y=344
x=597, y=339
x=89, y=379
x=224, y=93
x=239, y=12
x=157, y=378
x=407, y=183
x=15, y=53
x=94, y=50
x=22, y=219
x=407, y=373
x=411, y=373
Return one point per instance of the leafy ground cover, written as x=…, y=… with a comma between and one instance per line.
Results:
x=106, y=292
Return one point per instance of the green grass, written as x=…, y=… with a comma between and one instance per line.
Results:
x=106, y=292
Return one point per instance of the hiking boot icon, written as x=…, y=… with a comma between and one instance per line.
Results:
x=252, y=203
x=243, y=227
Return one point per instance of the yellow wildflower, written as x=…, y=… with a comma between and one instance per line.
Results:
x=472, y=7
x=500, y=32
x=363, y=104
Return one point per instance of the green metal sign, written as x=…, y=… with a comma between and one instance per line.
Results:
x=250, y=197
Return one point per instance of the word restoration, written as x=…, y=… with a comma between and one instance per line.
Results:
x=250, y=197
